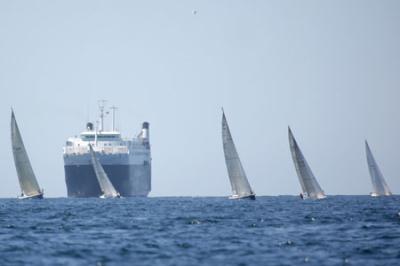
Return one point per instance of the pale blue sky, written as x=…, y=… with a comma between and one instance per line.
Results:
x=330, y=69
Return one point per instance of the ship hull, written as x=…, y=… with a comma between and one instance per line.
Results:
x=128, y=180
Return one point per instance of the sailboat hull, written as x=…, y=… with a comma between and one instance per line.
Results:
x=304, y=196
x=248, y=197
x=373, y=194
x=110, y=197
x=38, y=196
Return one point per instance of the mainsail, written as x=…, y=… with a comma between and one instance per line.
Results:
x=105, y=184
x=240, y=185
x=308, y=183
x=380, y=188
x=27, y=180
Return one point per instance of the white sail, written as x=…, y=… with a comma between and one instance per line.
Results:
x=27, y=180
x=380, y=188
x=106, y=186
x=308, y=182
x=240, y=185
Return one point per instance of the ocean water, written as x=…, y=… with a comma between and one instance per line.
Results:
x=284, y=230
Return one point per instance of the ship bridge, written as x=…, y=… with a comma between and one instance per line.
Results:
x=101, y=136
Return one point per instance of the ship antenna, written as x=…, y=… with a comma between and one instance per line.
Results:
x=102, y=104
x=113, y=108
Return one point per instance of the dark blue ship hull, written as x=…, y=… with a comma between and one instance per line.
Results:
x=128, y=180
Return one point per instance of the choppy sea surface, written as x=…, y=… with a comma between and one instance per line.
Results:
x=284, y=230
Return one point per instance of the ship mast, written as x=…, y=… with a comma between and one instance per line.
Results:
x=102, y=104
x=113, y=108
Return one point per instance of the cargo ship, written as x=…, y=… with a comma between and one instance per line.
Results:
x=127, y=161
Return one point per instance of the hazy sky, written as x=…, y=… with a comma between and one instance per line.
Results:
x=329, y=69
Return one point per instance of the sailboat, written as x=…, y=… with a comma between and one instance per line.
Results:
x=240, y=185
x=29, y=186
x=380, y=188
x=309, y=184
x=106, y=186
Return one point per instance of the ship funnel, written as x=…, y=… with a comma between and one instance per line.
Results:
x=145, y=134
x=89, y=126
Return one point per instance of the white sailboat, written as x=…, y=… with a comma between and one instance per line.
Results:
x=240, y=185
x=380, y=188
x=309, y=185
x=106, y=186
x=26, y=177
